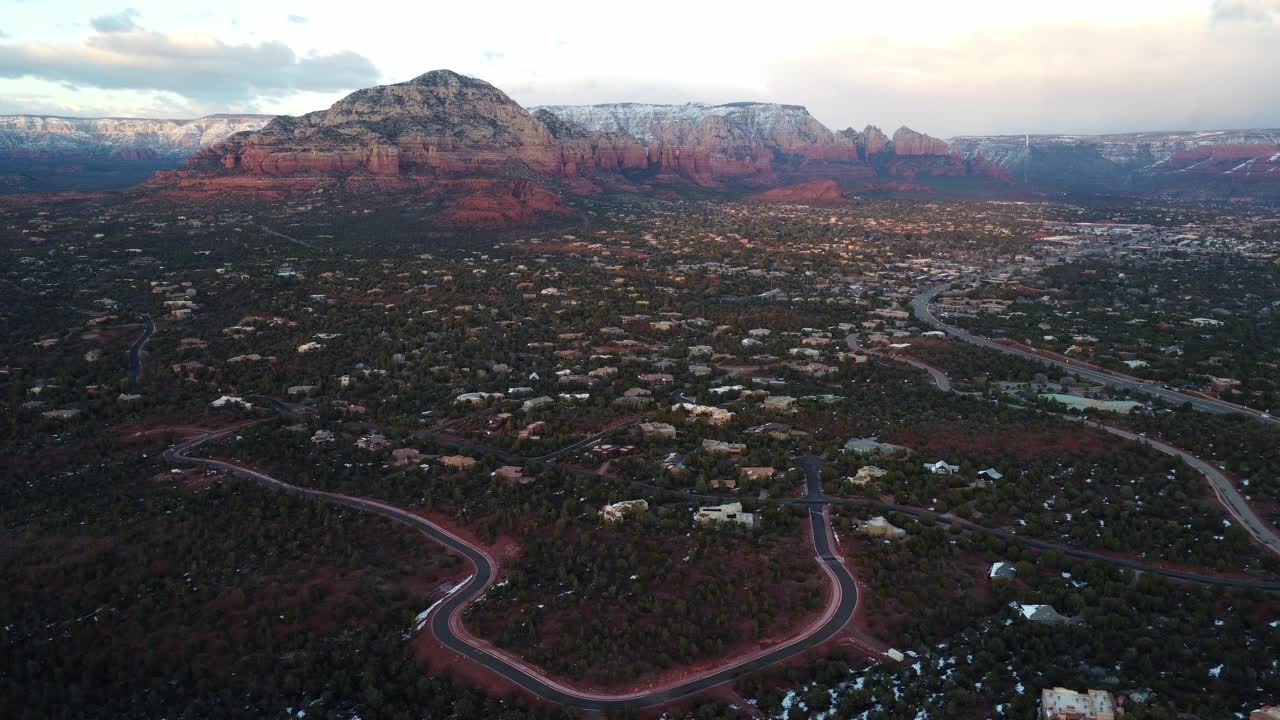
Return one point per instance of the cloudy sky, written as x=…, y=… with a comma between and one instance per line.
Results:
x=942, y=67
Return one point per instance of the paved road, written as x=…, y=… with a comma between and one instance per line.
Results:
x=939, y=378
x=920, y=306
x=445, y=620
x=1230, y=498
x=281, y=406
x=282, y=236
x=135, y=351
x=1198, y=578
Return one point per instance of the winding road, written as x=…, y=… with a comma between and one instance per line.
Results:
x=920, y=307
x=445, y=618
x=135, y=351
x=1223, y=489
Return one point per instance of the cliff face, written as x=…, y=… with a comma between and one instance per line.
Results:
x=440, y=129
x=908, y=142
x=443, y=125
x=37, y=136
x=487, y=159
x=816, y=190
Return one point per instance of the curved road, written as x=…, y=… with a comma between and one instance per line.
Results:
x=939, y=378
x=445, y=619
x=1226, y=493
x=1230, y=498
x=135, y=351
x=920, y=307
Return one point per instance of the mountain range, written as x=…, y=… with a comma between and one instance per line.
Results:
x=1222, y=162
x=494, y=161
x=47, y=136
x=43, y=153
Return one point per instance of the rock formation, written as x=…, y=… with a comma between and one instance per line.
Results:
x=816, y=190
x=443, y=124
x=908, y=142
x=441, y=128
x=874, y=142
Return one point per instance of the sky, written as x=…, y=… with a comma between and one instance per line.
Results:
x=947, y=68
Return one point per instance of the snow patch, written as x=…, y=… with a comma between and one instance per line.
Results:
x=421, y=620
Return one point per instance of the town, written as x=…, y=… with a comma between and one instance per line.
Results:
x=633, y=418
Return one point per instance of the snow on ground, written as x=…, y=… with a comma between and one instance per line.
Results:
x=1192, y=167
x=1215, y=671
x=421, y=619
x=1241, y=166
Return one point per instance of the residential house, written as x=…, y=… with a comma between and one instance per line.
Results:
x=866, y=474
x=756, y=473
x=372, y=442
x=881, y=528
x=322, y=436
x=942, y=467
x=780, y=403
x=512, y=474
x=534, y=403
x=406, y=456
x=715, y=416
x=309, y=347
x=617, y=512
x=1204, y=322
x=729, y=513
x=1063, y=704
x=532, y=431
x=1045, y=615
x=457, y=462
x=657, y=431
x=657, y=378
x=991, y=473
x=812, y=368
x=674, y=464
x=476, y=398
x=1003, y=569
x=719, y=447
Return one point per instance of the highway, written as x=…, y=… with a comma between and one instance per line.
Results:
x=920, y=307
x=1226, y=493
x=445, y=619
x=1228, y=497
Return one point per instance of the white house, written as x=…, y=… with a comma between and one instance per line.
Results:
x=942, y=468
x=731, y=513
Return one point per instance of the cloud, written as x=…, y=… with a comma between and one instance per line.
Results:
x=118, y=22
x=1258, y=11
x=200, y=68
x=297, y=19
x=1050, y=78
x=492, y=55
